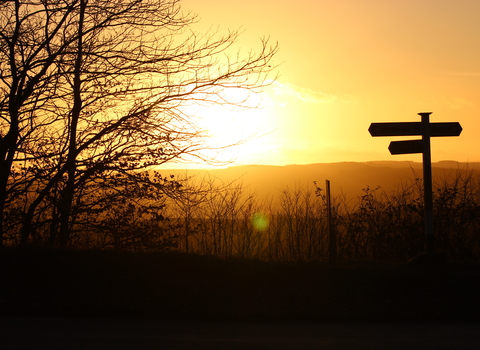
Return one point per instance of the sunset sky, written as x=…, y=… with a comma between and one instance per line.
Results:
x=345, y=64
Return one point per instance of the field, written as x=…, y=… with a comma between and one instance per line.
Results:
x=186, y=287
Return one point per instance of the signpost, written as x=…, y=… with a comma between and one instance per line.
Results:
x=426, y=130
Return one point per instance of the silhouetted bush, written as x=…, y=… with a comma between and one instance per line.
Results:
x=208, y=217
x=378, y=225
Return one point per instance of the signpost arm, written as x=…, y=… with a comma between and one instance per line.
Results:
x=427, y=182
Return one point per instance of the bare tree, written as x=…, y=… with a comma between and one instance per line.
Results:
x=95, y=89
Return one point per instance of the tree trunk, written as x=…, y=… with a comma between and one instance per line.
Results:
x=8, y=147
x=71, y=164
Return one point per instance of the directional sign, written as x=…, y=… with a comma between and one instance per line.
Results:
x=395, y=129
x=418, y=146
x=406, y=147
x=414, y=128
x=445, y=129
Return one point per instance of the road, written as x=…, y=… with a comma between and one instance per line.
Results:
x=66, y=333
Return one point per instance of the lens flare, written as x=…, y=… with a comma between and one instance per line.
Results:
x=260, y=221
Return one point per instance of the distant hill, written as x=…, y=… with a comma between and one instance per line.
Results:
x=345, y=177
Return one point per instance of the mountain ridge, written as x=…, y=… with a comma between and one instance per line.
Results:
x=347, y=178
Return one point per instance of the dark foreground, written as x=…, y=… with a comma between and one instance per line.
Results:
x=105, y=334
x=187, y=288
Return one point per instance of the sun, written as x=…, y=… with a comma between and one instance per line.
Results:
x=236, y=131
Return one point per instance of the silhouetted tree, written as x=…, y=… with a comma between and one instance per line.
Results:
x=93, y=90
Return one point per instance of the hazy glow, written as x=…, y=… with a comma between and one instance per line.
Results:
x=346, y=64
x=234, y=130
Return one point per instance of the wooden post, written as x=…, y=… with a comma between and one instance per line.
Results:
x=427, y=183
x=331, y=232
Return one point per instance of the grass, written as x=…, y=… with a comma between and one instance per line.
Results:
x=176, y=286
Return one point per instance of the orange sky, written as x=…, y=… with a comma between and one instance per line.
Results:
x=347, y=63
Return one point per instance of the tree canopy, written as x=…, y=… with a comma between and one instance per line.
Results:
x=93, y=94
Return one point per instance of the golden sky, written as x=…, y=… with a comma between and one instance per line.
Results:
x=347, y=63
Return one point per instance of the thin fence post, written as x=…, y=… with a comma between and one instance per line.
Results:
x=332, y=257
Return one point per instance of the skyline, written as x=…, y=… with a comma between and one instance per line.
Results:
x=345, y=65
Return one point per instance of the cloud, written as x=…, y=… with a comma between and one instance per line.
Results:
x=458, y=103
x=463, y=74
x=289, y=90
